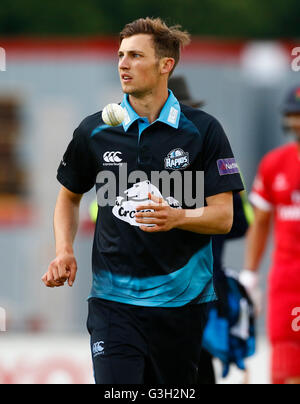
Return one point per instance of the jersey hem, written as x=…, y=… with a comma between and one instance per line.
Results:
x=154, y=303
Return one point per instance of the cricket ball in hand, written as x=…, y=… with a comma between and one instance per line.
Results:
x=113, y=114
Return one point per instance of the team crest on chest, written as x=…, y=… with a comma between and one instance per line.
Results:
x=177, y=159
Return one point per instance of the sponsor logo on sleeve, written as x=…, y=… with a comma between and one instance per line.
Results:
x=227, y=166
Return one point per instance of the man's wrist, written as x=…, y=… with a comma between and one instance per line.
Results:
x=180, y=220
x=66, y=249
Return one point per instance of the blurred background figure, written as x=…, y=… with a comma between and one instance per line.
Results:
x=58, y=70
x=276, y=197
x=179, y=86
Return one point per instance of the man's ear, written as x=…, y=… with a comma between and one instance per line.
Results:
x=167, y=65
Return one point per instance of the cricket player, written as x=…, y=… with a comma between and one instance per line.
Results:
x=152, y=255
x=276, y=197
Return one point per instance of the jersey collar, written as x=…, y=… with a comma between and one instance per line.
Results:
x=170, y=114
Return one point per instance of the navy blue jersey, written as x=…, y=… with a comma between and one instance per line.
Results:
x=166, y=269
x=239, y=229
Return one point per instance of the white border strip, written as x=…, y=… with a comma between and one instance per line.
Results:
x=260, y=202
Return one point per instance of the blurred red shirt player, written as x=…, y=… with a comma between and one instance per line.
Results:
x=276, y=198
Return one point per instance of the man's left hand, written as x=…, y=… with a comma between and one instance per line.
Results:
x=163, y=217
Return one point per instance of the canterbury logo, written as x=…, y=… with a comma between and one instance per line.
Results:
x=112, y=157
x=98, y=348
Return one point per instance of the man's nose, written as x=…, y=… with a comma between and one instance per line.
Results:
x=124, y=63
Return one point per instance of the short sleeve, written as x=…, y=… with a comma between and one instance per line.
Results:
x=76, y=171
x=261, y=194
x=221, y=171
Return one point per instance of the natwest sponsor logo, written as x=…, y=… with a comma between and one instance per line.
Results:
x=227, y=166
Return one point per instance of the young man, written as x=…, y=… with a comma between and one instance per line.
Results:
x=276, y=197
x=150, y=283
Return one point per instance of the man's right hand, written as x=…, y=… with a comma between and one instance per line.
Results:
x=250, y=281
x=62, y=269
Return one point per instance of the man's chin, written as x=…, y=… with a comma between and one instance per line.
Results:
x=128, y=89
x=133, y=92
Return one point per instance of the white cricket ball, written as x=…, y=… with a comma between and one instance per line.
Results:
x=113, y=114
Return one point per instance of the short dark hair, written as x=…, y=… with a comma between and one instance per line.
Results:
x=168, y=41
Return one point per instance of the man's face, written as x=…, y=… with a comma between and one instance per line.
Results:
x=139, y=68
x=292, y=121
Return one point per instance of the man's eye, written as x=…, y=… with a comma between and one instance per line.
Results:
x=136, y=55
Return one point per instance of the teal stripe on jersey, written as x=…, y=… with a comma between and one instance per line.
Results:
x=193, y=281
x=101, y=128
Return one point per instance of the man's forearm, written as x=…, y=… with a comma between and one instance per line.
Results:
x=209, y=220
x=66, y=219
x=256, y=241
